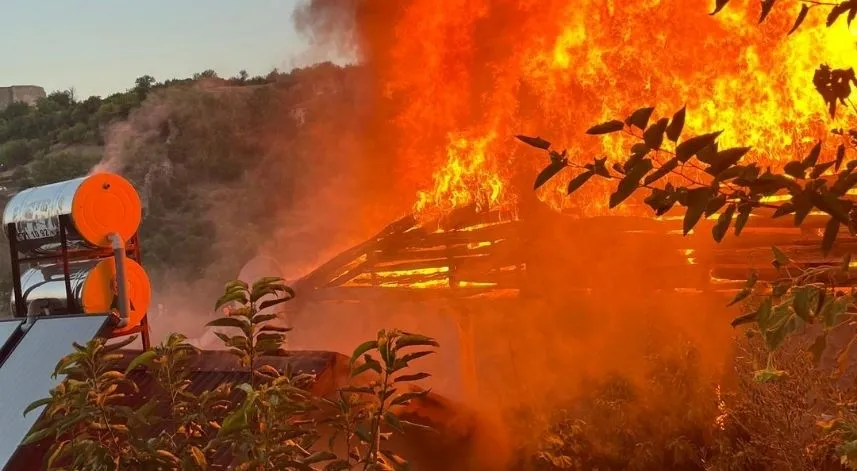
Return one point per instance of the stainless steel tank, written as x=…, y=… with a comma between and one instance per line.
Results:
x=92, y=288
x=95, y=206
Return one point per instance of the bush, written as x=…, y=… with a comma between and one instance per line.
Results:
x=272, y=426
x=15, y=153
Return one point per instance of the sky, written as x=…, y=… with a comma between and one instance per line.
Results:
x=99, y=47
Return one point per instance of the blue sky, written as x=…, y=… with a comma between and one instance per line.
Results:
x=100, y=46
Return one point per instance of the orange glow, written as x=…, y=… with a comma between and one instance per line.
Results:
x=465, y=83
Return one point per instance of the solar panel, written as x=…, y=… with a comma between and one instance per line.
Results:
x=25, y=376
x=7, y=329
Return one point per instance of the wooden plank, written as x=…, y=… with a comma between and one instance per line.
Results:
x=392, y=256
x=500, y=279
x=771, y=274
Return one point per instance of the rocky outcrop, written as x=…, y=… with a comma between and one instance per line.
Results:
x=28, y=94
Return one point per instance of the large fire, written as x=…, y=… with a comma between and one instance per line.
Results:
x=467, y=75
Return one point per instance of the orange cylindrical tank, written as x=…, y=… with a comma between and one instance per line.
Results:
x=92, y=286
x=95, y=205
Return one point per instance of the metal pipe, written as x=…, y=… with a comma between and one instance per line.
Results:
x=118, y=245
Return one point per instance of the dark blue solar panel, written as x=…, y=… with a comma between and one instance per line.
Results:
x=25, y=376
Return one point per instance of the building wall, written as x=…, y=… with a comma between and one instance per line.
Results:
x=28, y=94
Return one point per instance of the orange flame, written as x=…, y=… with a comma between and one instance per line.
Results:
x=459, y=78
x=467, y=75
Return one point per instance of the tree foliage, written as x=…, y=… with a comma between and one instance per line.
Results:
x=269, y=422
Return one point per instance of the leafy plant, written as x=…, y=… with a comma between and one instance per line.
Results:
x=273, y=425
x=388, y=356
x=256, y=336
x=89, y=428
x=835, y=11
x=190, y=420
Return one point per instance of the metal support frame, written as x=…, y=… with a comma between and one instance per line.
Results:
x=132, y=249
x=71, y=305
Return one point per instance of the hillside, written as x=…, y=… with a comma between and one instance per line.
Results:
x=220, y=164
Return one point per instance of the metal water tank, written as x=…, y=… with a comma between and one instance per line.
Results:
x=92, y=287
x=96, y=206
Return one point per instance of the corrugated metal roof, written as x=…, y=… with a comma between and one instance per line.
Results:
x=209, y=370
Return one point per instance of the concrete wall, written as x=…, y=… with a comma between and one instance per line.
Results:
x=29, y=94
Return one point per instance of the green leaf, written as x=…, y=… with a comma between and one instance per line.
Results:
x=415, y=340
x=780, y=257
x=630, y=182
x=144, y=358
x=39, y=435
x=579, y=180
x=819, y=169
x=804, y=9
x=719, y=4
x=407, y=358
x=274, y=328
x=763, y=314
x=361, y=349
x=714, y=205
x=536, y=142
x=781, y=287
x=833, y=308
x=228, y=322
x=795, y=169
x=367, y=365
x=830, y=232
x=552, y=169
x=767, y=5
x=235, y=285
x=599, y=166
x=238, y=419
x=238, y=296
x=676, y=125
x=697, y=200
x=840, y=156
x=120, y=344
x=837, y=11
x=746, y=291
x=818, y=347
x=812, y=159
x=768, y=375
x=36, y=404
x=692, y=146
x=654, y=136
x=408, y=396
x=666, y=168
x=273, y=302
x=722, y=226
x=805, y=298
x=260, y=318
x=743, y=216
x=606, y=128
x=640, y=118
x=725, y=159
x=60, y=450
x=279, y=290
x=785, y=325
x=411, y=377
x=393, y=421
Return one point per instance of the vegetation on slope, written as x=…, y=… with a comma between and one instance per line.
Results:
x=216, y=161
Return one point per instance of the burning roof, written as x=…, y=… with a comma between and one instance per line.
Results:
x=453, y=89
